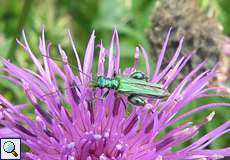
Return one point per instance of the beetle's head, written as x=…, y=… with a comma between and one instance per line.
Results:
x=101, y=82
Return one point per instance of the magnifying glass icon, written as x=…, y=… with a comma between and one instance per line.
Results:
x=9, y=147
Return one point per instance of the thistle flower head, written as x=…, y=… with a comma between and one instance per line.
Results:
x=79, y=123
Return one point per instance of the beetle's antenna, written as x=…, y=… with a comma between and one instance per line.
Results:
x=73, y=66
x=59, y=90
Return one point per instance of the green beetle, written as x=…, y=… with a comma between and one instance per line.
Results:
x=135, y=86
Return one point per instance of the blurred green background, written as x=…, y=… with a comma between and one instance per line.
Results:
x=130, y=17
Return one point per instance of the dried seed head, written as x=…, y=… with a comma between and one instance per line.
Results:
x=202, y=33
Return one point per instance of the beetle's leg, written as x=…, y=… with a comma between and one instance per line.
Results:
x=106, y=93
x=103, y=96
x=123, y=102
x=139, y=75
x=96, y=97
x=136, y=100
x=114, y=74
x=100, y=98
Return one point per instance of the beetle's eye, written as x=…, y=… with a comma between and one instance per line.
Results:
x=101, y=82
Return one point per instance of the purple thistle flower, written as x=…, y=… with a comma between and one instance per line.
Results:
x=95, y=128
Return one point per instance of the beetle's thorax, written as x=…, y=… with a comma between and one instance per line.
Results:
x=104, y=82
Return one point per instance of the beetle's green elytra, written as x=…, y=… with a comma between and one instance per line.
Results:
x=135, y=86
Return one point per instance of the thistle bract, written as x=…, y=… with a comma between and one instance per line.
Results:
x=97, y=128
